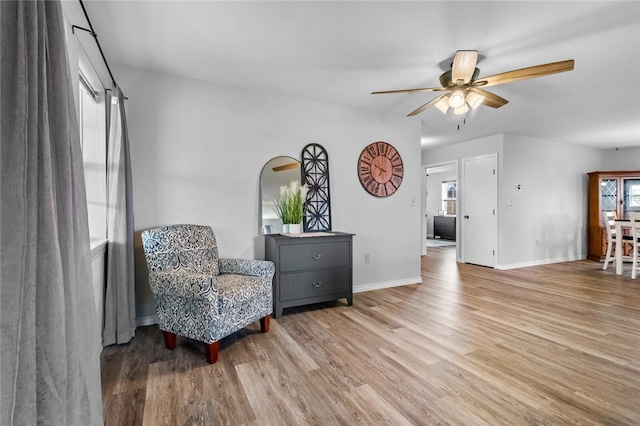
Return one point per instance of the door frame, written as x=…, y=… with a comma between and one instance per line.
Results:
x=456, y=164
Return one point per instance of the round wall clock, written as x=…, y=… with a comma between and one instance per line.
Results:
x=380, y=169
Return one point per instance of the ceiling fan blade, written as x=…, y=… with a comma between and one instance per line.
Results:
x=490, y=99
x=464, y=64
x=525, y=73
x=423, y=89
x=425, y=106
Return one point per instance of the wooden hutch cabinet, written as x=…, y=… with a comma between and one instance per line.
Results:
x=617, y=191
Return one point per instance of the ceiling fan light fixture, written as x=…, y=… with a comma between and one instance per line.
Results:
x=443, y=104
x=456, y=100
x=474, y=100
x=461, y=110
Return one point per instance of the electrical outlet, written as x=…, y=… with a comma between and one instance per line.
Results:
x=367, y=258
x=537, y=242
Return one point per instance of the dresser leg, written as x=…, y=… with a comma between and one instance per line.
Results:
x=349, y=301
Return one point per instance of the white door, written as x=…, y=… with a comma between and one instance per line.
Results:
x=479, y=193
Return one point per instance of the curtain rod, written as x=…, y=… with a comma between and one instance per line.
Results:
x=95, y=37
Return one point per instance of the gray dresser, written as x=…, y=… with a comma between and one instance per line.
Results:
x=310, y=269
x=444, y=227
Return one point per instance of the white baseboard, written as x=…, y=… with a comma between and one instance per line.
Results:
x=144, y=321
x=387, y=284
x=539, y=262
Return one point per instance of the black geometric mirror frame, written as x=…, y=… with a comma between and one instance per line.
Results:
x=315, y=173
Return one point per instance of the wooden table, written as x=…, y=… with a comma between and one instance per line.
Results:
x=620, y=223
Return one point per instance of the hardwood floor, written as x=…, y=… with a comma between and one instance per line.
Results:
x=548, y=345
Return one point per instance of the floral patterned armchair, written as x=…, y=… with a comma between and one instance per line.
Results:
x=200, y=296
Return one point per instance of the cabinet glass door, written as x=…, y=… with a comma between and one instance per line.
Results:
x=631, y=196
x=608, y=195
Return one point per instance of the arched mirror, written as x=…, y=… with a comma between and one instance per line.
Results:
x=279, y=171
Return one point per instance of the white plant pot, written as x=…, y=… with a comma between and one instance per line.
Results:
x=285, y=228
x=295, y=228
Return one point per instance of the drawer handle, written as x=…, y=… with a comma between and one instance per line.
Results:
x=316, y=285
x=317, y=256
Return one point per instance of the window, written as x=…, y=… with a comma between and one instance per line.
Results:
x=634, y=196
x=631, y=196
x=449, y=197
x=94, y=153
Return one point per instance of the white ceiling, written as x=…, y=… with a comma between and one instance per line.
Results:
x=341, y=51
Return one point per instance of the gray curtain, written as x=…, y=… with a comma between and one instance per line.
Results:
x=50, y=340
x=119, y=310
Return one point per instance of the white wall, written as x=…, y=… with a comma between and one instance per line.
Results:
x=546, y=221
x=622, y=159
x=473, y=148
x=197, y=151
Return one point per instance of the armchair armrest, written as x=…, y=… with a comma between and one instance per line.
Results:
x=256, y=268
x=194, y=286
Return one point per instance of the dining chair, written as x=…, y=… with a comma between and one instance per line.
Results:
x=609, y=220
x=635, y=233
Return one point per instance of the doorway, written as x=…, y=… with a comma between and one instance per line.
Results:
x=440, y=206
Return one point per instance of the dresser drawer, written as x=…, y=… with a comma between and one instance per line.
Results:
x=445, y=227
x=300, y=257
x=301, y=285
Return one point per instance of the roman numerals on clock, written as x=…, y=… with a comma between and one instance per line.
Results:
x=380, y=169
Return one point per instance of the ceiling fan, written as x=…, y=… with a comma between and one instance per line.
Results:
x=463, y=88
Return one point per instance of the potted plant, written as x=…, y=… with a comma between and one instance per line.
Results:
x=290, y=206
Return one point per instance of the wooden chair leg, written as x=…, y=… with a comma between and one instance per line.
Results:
x=211, y=350
x=634, y=268
x=169, y=339
x=607, y=257
x=264, y=323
